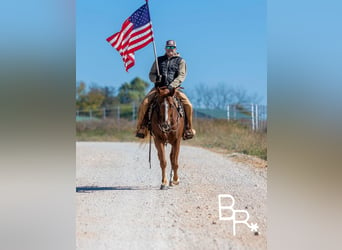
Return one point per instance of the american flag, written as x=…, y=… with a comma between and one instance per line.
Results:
x=136, y=32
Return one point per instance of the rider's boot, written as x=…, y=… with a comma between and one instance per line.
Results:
x=189, y=132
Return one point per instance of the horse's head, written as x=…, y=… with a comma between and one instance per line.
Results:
x=168, y=114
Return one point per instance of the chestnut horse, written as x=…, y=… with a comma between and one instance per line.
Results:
x=167, y=126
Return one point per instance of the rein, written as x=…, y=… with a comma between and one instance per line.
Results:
x=149, y=153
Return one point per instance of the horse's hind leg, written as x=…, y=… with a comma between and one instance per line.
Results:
x=161, y=155
x=174, y=162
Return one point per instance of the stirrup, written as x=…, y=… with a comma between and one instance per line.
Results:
x=189, y=134
x=141, y=133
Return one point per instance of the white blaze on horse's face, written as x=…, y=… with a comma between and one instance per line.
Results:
x=166, y=118
x=166, y=110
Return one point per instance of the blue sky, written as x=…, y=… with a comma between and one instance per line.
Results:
x=222, y=41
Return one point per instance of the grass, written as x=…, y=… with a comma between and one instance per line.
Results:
x=105, y=130
x=217, y=135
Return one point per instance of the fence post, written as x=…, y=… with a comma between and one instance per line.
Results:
x=253, y=118
x=90, y=114
x=256, y=117
x=228, y=115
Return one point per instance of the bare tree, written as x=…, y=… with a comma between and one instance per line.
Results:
x=241, y=96
x=220, y=95
x=202, y=96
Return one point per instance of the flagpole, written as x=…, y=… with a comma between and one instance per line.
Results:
x=154, y=44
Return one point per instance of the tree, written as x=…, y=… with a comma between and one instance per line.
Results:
x=81, y=95
x=95, y=98
x=110, y=98
x=241, y=96
x=89, y=100
x=133, y=92
x=220, y=95
x=202, y=96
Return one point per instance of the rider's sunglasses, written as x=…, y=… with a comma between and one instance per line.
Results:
x=170, y=47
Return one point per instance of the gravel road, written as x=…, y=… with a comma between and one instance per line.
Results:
x=120, y=206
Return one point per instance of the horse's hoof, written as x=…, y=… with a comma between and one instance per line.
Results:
x=175, y=182
x=163, y=187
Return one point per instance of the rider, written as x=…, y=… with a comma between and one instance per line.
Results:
x=172, y=68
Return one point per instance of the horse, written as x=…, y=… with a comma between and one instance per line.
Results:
x=167, y=126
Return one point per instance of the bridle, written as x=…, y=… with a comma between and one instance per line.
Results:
x=165, y=125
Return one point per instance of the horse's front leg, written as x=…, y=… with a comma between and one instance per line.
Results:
x=161, y=155
x=174, y=162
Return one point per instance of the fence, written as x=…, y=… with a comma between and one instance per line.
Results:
x=117, y=112
x=251, y=115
